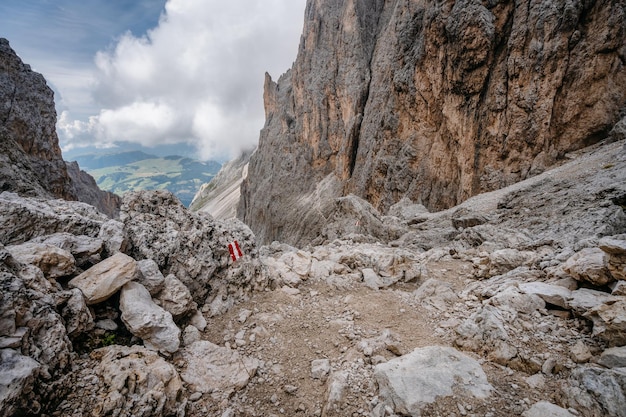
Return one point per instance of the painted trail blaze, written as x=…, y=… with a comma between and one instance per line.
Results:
x=235, y=250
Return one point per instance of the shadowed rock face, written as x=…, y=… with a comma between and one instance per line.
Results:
x=31, y=163
x=434, y=101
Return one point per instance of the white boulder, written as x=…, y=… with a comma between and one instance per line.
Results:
x=146, y=320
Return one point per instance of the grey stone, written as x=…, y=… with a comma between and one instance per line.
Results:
x=606, y=386
x=553, y=294
x=546, y=409
x=155, y=386
x=148, y=321
x=320, y=368
x=614, y=357
x=213, y=368
x=193, y=247
x=411, y=382
x=86, y=250
x=18, y=374
x=53, y=261
x=150, y=277
x=175, y=297
x=609, y=322
x=590, y=265
x=78, y=317
x=584, y=299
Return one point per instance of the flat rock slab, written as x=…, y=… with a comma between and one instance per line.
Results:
x=213, y=368
x=412, y=381
x=106, y=278
x=553, y=294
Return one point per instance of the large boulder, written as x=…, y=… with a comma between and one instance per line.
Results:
x=193, y=247
x=411, y=382
x=86, y=250
x=24, y=218
x=34, y=333
x=124, y=381
x=106, y=278
x=148, y=321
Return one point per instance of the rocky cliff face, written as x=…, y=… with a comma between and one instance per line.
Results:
x=30, y=156
x=220, y=197
x=433, y=101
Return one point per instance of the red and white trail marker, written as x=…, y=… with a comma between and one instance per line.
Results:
x=235, y=250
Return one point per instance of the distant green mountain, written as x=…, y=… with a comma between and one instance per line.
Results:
x=136, y=170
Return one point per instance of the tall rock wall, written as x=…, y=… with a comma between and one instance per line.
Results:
x=431, y=100
x=31, y=162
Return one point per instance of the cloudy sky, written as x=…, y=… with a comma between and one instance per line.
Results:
x=156, y=72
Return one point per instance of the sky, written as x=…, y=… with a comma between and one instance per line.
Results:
x=171, y=73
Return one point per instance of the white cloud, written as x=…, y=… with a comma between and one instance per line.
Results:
x=195, y=78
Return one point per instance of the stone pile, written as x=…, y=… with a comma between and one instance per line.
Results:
x=67, y=277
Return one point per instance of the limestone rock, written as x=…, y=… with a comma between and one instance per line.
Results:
x=34, y=330
x=609, y=322
x=78, y=318
x=17, y=375
x=512, y=299
x=148, y=321
x=175, y=297
x=213, y=368
x=505, y=260
x=585, y=299
x=435, y=293
x=53, y=261
x=86, y=250
x=553, y=294
x=193, y=247
x=616, y=251
x=136, y=380
x=590, y=265
x=486, y=325
x=112, y=233
x=606, y=386
x=335, y=393
x=546, y=409
x=407, y=210
x=614, y=357
x=104, y=279
x=618, y=287
x=580, y=352
x=440, y=114
x=150, y=276
x=191, y=335
x=25, y=218
x=320, y=368
x=412, y=381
